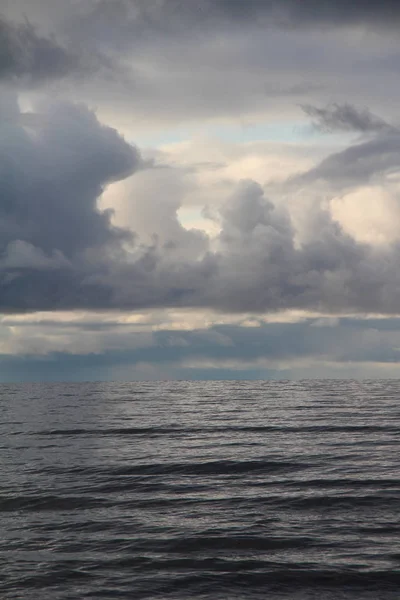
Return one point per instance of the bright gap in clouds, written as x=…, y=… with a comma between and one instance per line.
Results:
x=235, y=132
x=193, y=218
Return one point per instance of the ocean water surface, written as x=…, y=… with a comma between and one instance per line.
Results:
x=211, y=490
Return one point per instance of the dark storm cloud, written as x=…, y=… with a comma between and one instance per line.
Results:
x=51, y=176
x=345, y=117
x=317, y=12
x=25, y=54
x=292, y=14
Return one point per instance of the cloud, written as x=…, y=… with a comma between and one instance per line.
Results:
x=148, y=63
x=309, y=12
x=179, y=14
x=345, y=117
x=255, y=264
x=370, y=214
x=345, y=347
x=166, y=58
x=149, y=202
x=359, y=164
x=59, y=250
x=88, y=224
x=51, y=177
x=22, y=255
x=26, y=55
x=358, y=185
x=151, y=63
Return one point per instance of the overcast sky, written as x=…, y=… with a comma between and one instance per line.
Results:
x=199, y=189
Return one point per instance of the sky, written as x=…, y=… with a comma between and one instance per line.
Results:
x=203, y=189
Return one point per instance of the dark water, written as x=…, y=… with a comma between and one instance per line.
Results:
x=200, y=490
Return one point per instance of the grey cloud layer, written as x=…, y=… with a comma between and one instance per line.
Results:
x=287, y=13
x=161, y=61
x=24, y=54
x=312, y=12
x=351, y=346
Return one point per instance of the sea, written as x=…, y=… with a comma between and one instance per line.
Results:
x=200, y=490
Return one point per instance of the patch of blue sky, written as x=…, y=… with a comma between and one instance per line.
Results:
x=291, y=132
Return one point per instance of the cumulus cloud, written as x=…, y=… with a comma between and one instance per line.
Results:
x=149, y=203
x=59, y=250
x=51, y=176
